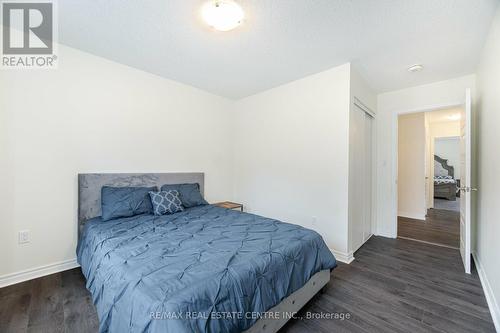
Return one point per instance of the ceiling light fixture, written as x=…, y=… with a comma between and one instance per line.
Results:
x=457, y=116
x=222, y=15
x=415, y=68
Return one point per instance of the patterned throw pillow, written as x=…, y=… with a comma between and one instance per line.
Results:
x=166, y=202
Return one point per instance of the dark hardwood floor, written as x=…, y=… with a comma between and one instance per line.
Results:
x=398, y=285
x=440, y=227
x=54, y=303
x=394, y=285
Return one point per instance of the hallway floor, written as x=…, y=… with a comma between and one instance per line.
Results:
x=440, y=227
x=447, y=204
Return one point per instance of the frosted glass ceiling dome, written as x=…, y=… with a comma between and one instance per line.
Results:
x=222, y=15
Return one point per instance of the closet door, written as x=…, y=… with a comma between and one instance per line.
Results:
x=360, y=179
x=357, y=177
x=368, y=180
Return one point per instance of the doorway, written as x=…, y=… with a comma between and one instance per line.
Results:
x=466, y=179
x=428, y=176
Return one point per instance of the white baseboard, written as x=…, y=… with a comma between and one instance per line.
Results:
x=344, y=257
x=385, y=233
x=33, y=273
x=414, y=216
x=488, y=292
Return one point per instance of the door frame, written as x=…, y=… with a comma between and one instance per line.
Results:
x=394, y=173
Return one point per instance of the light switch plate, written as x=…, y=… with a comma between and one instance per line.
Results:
x=24, y=236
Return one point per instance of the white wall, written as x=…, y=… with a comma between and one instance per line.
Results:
x=411, y=166
x=290, y=147
x=445, y=129
x=428, y=97
x=488, y=226
x=291, y=153
x=449, y=149
x=93, y=115
x=362, y=91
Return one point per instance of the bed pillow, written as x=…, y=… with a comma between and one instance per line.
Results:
x=444, y=177
x=166, y=202
x=189, y=193
x=125, y=201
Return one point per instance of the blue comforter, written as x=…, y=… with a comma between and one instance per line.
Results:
x=206, y=269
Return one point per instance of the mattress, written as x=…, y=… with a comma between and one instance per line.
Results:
x=206, y=269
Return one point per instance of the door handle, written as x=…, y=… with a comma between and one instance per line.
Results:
x=467, y=189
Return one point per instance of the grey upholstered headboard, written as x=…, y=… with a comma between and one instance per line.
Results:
x=442, y=168
x=90, y=184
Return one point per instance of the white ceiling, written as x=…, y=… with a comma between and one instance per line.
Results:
x=283, y=40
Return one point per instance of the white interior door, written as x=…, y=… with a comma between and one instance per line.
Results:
x=357, y=177
x=429, y=161
x=368, y=162
x=465, y=182
x=361, y=178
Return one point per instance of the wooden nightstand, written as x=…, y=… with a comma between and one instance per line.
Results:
x=229, y=205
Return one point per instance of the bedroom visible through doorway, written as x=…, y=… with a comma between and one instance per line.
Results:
x=429, y=176
x=446, y=176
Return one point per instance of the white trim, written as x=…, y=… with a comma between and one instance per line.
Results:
x=414, y=216
x=430, y=243
x=351, y=254
x=344, y=257
x=33, y=273
x=488, y=292
x=386, y=234
x=446, y=138
x=363, y=107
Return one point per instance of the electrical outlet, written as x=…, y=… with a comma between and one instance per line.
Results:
x=24, y=236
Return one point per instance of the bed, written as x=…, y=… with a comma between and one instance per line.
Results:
x=445, y=185
x=206, y=269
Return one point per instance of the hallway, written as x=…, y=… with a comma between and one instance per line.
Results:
x=447, y=204
x=440, y=227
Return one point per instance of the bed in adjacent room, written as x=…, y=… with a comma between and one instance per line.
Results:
x=202, y=269
x=445, y=184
